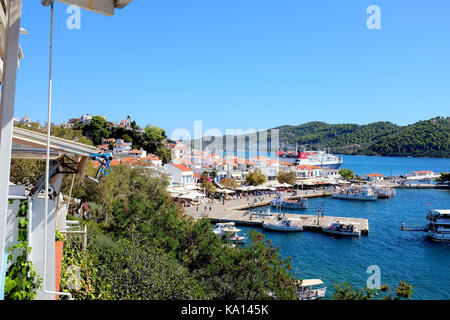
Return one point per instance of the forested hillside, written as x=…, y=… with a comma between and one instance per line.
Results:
x=429, y=138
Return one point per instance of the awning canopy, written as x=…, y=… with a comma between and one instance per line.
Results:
x=30, y=142
x=310, y=282
x=105, y=7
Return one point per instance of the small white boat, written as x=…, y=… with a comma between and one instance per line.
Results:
x=228, y=231
x=307, y=289
x=283, y=225
x=364, y=193
x=341, y=229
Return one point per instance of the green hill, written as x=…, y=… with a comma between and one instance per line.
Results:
x=430, y=138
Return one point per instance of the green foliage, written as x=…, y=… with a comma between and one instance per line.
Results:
x=21, y=280
x=255, y=177
x=444, y=178
x=80, y=275
x=346, y=291
x=58, y=236
x=146, y=248
x=430, y=138
x=229, y=183
x=286, y=177
x=347, y=173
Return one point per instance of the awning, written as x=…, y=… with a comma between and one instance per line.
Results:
x=310, y=282
x=38, y=142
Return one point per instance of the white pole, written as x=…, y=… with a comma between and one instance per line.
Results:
x=12, y=31
x=47, y=164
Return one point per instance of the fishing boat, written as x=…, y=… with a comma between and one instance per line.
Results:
x=308, y=289
x=341, y=229
x=283, y=225
x=384, y=192
x=365, y=193
x=289, y=204
x=438, y=227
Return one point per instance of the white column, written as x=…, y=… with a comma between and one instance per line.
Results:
x=6, y=115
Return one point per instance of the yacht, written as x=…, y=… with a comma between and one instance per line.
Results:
x=308, y=289
x=283, y=225
x=364, y=193
x=438, y=227
x=341, y=229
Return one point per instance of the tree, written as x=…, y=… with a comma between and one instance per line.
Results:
x=229, y=183
x=287, y=177
x=346, y=291
x=347, y=173
x=255, y=177
x=444, y=178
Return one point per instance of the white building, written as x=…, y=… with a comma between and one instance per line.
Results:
x=374, y=177
x=180, y=174
x=121, y=147
x=85, y=119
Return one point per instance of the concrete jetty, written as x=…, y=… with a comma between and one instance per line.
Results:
x=235, y=211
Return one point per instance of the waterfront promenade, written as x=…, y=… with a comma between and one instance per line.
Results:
x=236, y=211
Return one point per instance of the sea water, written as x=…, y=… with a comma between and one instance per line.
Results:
x=400, y=255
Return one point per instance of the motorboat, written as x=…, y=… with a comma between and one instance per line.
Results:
x=308, y=289
x=228, y=231
x=384, y=192
x=290, y=204
x=283, y=225
x=365, y=193
x=341, y=229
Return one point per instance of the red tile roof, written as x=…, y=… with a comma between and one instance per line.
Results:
x=182, y=167
x=374, y=175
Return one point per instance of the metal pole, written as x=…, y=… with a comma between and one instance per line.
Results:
x=12, y=32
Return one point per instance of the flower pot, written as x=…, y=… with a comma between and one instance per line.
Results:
x=58, y=263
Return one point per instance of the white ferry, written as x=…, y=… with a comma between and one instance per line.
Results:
x=314, y=158
x=438, y=227
x=364, y=193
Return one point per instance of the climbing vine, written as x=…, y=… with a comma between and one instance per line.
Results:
x=21, y=280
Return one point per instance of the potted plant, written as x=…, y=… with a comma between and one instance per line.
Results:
x=59, y=242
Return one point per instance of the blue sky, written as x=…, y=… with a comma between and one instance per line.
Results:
x=240, y=63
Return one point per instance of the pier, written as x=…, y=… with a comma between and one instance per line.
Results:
x=237, y=211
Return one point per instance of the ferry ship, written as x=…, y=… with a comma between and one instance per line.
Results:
x=438, y=227
x=314, y=158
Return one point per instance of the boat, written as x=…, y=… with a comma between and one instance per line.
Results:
x=283, y=225
x=364, y=193
x=307, y=289
x=220, y=227
x=383, y=192
x=228, y=231
x=320, y=159
x=438, y=227
x=290, y=204
x=341, y=229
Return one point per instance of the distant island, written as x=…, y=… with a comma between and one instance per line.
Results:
x=427, y=138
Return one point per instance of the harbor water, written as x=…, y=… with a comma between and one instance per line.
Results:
x=400, y=255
